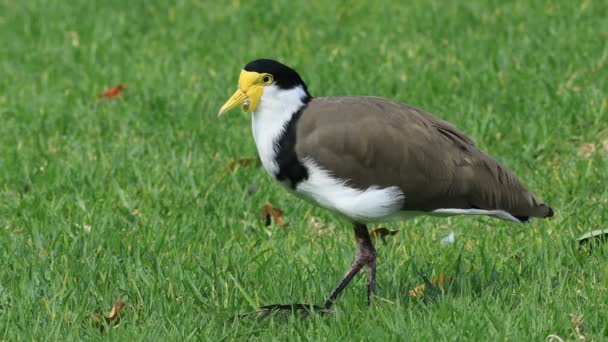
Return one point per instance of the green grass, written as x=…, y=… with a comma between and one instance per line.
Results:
x=179, y=239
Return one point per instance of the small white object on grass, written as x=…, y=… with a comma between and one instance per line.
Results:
x=449, y=239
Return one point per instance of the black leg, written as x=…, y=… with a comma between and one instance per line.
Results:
x=371, y=279
x=365, y=256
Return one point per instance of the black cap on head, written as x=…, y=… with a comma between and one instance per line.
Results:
x=284, y=76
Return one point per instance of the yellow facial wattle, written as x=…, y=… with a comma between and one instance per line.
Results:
x=249, y=93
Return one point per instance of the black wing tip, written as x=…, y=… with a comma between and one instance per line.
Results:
x=525, y=219
x=550, y=211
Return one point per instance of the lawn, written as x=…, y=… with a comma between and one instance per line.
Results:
x=132, y=198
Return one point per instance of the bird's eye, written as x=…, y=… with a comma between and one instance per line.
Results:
x=266, y=79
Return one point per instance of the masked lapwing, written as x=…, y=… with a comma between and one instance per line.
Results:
x=370, y=159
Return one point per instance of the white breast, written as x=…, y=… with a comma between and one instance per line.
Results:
x=269, y=120
x=266, y=131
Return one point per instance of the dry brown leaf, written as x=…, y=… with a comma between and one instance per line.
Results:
x=382, y=233
x=417, y=291
x=438, y=282
x=116, y=309
x=243, y=161
x=271, y=214
x=577, y=323
x=114, y=92
x=586, y=150
x=113, y=317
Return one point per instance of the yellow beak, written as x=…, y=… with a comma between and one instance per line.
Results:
x=249, y=90
x=236, y=99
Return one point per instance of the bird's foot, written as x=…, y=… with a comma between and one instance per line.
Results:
x=303, y=309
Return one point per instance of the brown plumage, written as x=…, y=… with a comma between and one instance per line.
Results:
x=373, y=141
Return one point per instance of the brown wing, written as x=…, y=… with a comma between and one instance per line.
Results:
x=374, y=141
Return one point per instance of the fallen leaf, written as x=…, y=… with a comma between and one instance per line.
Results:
x=577, y=322
x=599, y=234
x=605, y=146
x=112, y=318
x=271, y=214
x=417, y=291
x=243, y=161
x=382, y=233
x=586, y=150
x=116, y=309
x=113, y=92
x=437, y=282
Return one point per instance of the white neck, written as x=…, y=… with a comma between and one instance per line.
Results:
x=275, y=109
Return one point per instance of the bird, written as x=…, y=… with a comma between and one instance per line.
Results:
x=370, y=160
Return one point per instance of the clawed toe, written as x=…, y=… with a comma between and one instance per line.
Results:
x=303, y=309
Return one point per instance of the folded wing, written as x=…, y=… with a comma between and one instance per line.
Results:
x=376, y=142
